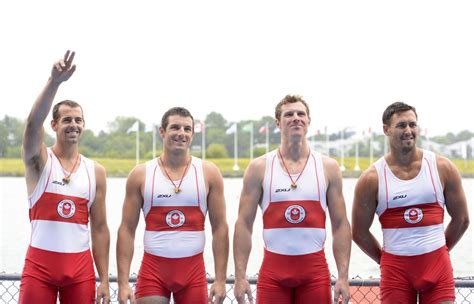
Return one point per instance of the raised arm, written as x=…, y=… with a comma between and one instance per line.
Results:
x=363, y=211
x=33, y=149
x=456, y=203
x=100, y=235
x=249, y=200
x=220, y=231
x=341, y=230
x=126, y=233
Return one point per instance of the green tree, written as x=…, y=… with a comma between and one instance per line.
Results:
x=216, y=151
x=215, y=120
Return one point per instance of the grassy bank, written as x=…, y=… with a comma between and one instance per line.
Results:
x=121, y=167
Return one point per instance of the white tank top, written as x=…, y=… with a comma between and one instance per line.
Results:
x=294, y=219
x=411, y=212
x=174, y=221
x=59, y=212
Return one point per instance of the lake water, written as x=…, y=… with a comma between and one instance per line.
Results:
x=15, y=230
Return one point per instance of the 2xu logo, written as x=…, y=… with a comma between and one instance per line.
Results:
x=175, y=218
x=413, y=215
x=295, y=214
x=66, y=208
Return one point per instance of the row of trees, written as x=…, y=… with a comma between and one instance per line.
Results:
x=116, y=142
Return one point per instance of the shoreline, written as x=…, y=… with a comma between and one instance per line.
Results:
x=13, y=167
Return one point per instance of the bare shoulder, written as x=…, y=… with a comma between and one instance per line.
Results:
x=210, y=168
x=137, y=176
x=447, y=170
x=368, y=180
x=256, y=169
x=444, y=164
x=329, y=163
x=99, y=170
x=332, y=171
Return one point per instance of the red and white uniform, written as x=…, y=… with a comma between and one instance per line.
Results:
x=294, y=219
x=411, y=212
x=174, y=234
x=415, y=259
x=294, y=268
x=59, y=213
x=174, y=221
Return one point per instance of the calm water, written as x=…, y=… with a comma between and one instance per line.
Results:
x=15, y=230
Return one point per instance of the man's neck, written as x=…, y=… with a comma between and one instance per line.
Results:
x=294, y=150
x=174, y=161
x=68, y=152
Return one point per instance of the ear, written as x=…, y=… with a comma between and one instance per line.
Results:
x=162, y=132
x=54, y=125
x=386, y=130
x=277, y=123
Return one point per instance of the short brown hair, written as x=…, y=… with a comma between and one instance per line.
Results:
x=68, y=103
x=290, y=99
x=395, y=108
x=180, y=111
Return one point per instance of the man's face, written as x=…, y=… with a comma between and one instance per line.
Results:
x=69, y=125
x=294, y=120
x=403, y=130
x=178, y=134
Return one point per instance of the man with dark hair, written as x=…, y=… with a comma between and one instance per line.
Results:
x=65, y=191
x=408, y=189
x=294, y=187
x=175, y=191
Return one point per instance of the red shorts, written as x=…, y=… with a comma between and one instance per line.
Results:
x=184, y=277
x=294, y=279
x=429, y=274
x=47, y=273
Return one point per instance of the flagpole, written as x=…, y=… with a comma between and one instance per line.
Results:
x=137, y=144
x=356, y=167
x=327, y=139
x=267, y=138
x=371, y=147
x=203, y=140
x=343, y=168
x=251, y=142
x=154, y=140
x=236, y=166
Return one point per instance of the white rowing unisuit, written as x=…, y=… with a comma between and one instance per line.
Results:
x=411, y=212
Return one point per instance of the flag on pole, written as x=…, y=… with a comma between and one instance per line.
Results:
x=150, y=127
x=276, y=130
x=248, y=127
x=232, y=129
x=464, y=150
x=134, y=127
x=263, y=129
x=199, y=127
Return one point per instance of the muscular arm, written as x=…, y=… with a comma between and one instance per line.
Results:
x=100, y=233
x=456, y=203
x=363, y=211
x=33, y=149
x=341, y=230
x=220, y=230
x=130, y=217
x=249, y=200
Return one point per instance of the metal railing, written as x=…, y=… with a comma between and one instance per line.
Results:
x=363, y=291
